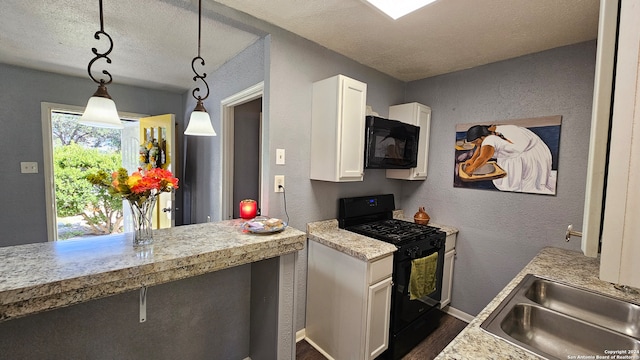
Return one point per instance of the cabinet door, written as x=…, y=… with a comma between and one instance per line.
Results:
x=352, y=118
x=447, y=277
x=419, y=115
x=378, y=313
x=424, y=122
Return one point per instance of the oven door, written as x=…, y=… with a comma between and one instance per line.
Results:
x=405, y=311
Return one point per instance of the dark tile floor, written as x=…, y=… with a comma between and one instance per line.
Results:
x=428, y=349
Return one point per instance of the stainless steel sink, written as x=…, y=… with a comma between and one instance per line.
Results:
x=557, y=321
x=606, y=311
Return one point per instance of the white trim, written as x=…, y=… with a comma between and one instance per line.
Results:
x=300, y=335
x=226, y=145
x=47, y=158
x=600, y=114
x=620, y=230
x=458, y=314
x=315, y=346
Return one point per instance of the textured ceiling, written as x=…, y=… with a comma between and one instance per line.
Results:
x=155, y=40
x=442, y=37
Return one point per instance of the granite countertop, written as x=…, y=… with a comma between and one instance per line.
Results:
x=359, y=246
x=356, y=245
x=449, y=230
x=44, y=276
x=552, y=263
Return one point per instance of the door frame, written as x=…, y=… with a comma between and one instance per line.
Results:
x=227, y=107
x=47, y=152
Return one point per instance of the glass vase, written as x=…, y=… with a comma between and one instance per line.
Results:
x=142, y=214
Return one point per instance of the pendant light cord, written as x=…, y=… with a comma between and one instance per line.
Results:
x=101, y=18
x=193, y=62
x=199, y=24
x=104, y=55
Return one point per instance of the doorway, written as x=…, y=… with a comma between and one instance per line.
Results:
x=246, y=152
x=242, y=149
x=69, y=150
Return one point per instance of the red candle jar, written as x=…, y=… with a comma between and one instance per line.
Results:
x=248, y=209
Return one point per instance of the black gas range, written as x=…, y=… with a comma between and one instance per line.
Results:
x=411, y=320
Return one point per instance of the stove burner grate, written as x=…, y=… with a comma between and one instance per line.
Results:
x=394, y=231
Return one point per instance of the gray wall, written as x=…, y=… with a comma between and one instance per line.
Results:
x=203, y=173
x=288, y=65
x=187, y=319
x=24, y=220
x=500, y=232
x=203, y=317
x=294, y=65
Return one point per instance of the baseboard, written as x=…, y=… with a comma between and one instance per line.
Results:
x=458, y=314
x=319, y=349
x=300, y=334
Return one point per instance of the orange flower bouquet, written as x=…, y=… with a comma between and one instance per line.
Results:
x=141, y=189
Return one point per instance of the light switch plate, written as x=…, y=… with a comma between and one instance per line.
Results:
x=29, y=167
x=279, y=156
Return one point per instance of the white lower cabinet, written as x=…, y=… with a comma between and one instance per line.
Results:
x=447, y=274
x=348, y=303
x=378, y=317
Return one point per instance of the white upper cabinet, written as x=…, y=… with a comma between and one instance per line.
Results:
x=621, y=228
x=419, y=115
x=337, y=129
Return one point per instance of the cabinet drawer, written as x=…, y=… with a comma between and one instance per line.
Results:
x=380, y=269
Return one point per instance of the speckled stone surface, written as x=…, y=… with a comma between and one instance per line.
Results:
x=44, y=276
x=356, y=245
x=449, y=230
x=552, y=263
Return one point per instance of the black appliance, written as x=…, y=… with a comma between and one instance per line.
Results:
x=411, y=320
x=390, y=144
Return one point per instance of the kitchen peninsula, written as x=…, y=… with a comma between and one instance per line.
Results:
x=45, y=276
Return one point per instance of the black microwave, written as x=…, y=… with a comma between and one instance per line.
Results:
x=390, y=144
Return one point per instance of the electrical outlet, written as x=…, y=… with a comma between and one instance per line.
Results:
x=279, y=180
x=28, y=167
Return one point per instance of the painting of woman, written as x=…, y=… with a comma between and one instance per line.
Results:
x=521, y=153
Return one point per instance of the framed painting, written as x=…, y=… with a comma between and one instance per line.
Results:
x=511, y=155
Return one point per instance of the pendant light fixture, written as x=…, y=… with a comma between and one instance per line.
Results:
x=101, y=110
x=199, y=122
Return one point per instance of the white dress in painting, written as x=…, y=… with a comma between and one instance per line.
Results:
x=525, y=158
